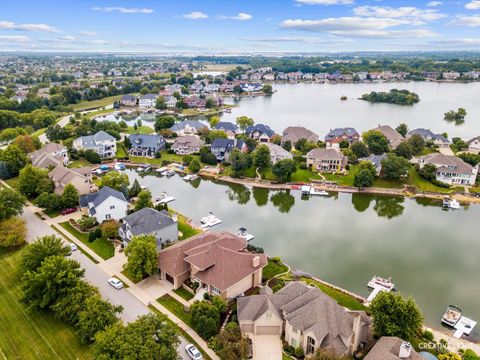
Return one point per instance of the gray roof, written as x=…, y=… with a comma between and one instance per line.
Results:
x=90, y=141
x=261, y=128
x=447, y=163
x=148, y=97
x=375, y=159
x=100, y=196
x=192, y=123
x=349, y=131
x=227, y=144
x=225, y=125
x=128, y=97
x=428, y=135
x=144, y=140
x=473, y=139
x=388, y=348
x=147, y=221
x=325, y=154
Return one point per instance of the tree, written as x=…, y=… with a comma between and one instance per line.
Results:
x=43, y=287
x=96, y=315
x=142, y=256
x=43, y=247
x=194, y=166
x=469, y=158
x=114, y=179
x=27, y=143
x=231, y=344
x=395, y=167
x=214, y=120
x=149, y=337
x=402, y=129
x=261, y=157
x=244, y=121
x=160, y=103
x=359, y=149
x=267, y=89
x=12, y=232
x=418, y=144
x=109, y=229
x=287, y=145
x=69, y=197
x=395, y=316
x=144, y=200
x=33, y=181
x=404, y=149
x=344, y=144
x=11, y=203
x=363, y=178
x=377, y=142
x=92, y=157
x=215, y=134
x=205, y=319
x=49, y=201
x=135, y=189
x=450, y=356
x=164, y=122
x=428, y=171
x=326, y=354
x=284, y=169
x=239, y=161
x=56, y=133
x=69, y=306
x=14, y=158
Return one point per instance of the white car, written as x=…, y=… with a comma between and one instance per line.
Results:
x=193, y=352
x=117, y=284
x=73, y=247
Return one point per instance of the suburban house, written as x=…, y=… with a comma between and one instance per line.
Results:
x=146, y=145
x=186, y=127
x=393, y=136
x=52, y=154
x=295, y=133
x=149, y=221
x=308, y=317
x=222, y=147
x=187, y=144
x=474, y=145
x=278, y=153
x=229, y=128
x=128, y=100
x=260, y=132
x=78, y=177
x=336, y=136
x=376, y=160
x=194, y=101
x=170, y=101
x=219, y=262
x=326, y=160
x=105, y=204
x=147, y=101
x=393, y=348
x=451, y=170
x=104, y=144
x=427, y=135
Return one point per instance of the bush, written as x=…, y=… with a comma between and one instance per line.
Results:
x=91, y=236
x=86, y=222
x=187, y=159
x=428, y=335
x=92, y=157
x=12, y=232
x=299, y=352
x=276, y=259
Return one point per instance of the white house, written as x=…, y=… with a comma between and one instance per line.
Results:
x=474, y=145
x=104, y=144
x=147, y=101
x=105, y=204
x=278, y=153
x=450, y=169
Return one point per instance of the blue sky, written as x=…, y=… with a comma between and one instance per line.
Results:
x=239, y=25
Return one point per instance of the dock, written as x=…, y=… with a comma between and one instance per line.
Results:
x=464, y=326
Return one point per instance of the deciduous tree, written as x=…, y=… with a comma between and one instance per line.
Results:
x=114, y=179
x=12, y=232
x=37, y=251
x=144, y=200
x=142, y=256
x=284, y=169
x=261, y=157
x=11, y=203
x=33, y=181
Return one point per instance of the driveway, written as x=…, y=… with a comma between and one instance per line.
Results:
x=266, y=347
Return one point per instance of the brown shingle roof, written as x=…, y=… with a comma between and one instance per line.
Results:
x=448, y=163
x=325, y=154
x=388, y=348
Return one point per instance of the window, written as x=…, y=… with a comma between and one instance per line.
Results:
x=215, y=290
x=108, y=217
x=294, y=343
x=112, y=207
x=310, y=345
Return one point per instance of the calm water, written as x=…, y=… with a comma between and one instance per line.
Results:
x=319, y=108
x=430, y=254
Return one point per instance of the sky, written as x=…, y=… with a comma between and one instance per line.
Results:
x=239, y=26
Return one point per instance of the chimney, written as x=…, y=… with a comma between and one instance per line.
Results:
x=405, y=350
x=256, y=261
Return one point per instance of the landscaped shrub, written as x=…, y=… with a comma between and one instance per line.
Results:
x=91, y=236
x=299, y=352
x=98, y=233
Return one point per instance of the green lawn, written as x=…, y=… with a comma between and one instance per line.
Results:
x=101, y=247
x=84, y=252
x=52, y=213
x=79, y=163
x=186, y=295
x=12, y=182
x=86, y=105
x=176, y=308
x=341, y=298
x=186, y=230
x=272, y=269
x=140, y=130
x=127, y=274
x=423, y=184
x=121, y=152
x=93, y=114
x=30, y=334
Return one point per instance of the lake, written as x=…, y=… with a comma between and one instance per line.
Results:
x=430, y=254
x=318, y=107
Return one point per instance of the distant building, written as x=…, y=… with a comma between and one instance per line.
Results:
x=128, y=100
x=104, y=144
x=427, y=135
x=376, y=160
x=146, y=145
x=474, y=145
x=278, y=153
x=260, y=132
x=147, y=101
x=393, y=136
x=186, y=127
x=222, y=147
x=187, y=144
x=336, y=136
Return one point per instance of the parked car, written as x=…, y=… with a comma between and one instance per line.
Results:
x=193, y=352
x=68, y=211
x=73, y=247
x=117, y=284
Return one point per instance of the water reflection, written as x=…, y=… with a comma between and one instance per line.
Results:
x=238, y=193
x=283, y=201
x=361, y=202
x=260, y=195
x=389, y=207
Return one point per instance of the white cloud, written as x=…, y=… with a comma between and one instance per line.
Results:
x=386, y=34
x=14, y=38
x=88, y=33
x=67, y=38
x=124, y=10
x=294, y=39
x=414, y=14
x=341, y=23
x=240, y=16
x=325, y=2
x=464, y=20
x=434, y=3
x=473, y=5
x=456, y=43
x=195, y=15
x=9, y=25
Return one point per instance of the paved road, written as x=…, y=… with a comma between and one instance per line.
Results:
x=132, y=308
x=63, y=121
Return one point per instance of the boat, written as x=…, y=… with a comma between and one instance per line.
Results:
x=162, y=170
x=242, y=233
x=451, y=204
x=169, y=173
x=379, y=282
x=119, y=166
x=164, y=198
x=452, y=315
x=210, y=220
x=306, y=189
x=190, y=177
x=313, y=192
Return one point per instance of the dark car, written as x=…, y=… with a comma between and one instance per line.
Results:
x=68, y=211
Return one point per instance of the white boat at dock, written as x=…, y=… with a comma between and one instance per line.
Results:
x=243, y=233
x=169, y=173
x=162, y=170
x=311, y=191
x=385, y=283
x=190, y=177
x=164, y=198
x=451, y=203
x=454, y=318
x=210, y=220
x=452, y=315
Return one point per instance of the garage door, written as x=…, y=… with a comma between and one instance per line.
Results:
x=169, y=278
x=268, y=330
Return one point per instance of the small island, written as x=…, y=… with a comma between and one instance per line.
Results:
x=343, y=98
x=457, y=116
x=394, y=96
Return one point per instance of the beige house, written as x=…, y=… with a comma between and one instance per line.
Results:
x=219, y=262
x=187, y=144
x=393, y=348
x=309, y=318
x=278, y=153
x=327, y=160
x=52, y=154
x=474, y=145
x=450, y=169
x=393, y=136
x=295, y=133
x=79, y=177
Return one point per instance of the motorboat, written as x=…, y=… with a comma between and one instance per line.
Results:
x=384, y=283
x=210, y=220
x=242, y=233
x=162, y=170
x=119, y=166
x=190, y=177
x=452, y=315
x=318, y=192
x=164, y=198
x=169, y=173
x=451, y=204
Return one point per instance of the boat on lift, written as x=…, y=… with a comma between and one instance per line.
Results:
x=244, y=234
x=384, y=283
x=190, y=177
x=169, y=173
x=210, y=220
x=449, y=203
x=164, y=198
x=452, y=315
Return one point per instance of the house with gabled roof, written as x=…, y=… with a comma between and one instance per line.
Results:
x=78, y=177
x=128, y=100
x=326, y=160
x=105, y=204
x=147, y=101
x=188, y=127
x=187, y=144
x=259, y=132
x=221, y=147
x=147, y=145
x=393, y=136
x=474, y=145
x=393, y=348
x=427, y=135
x=51, y=154
x=451, y=170
x=295, y=133
x=104, y=144
x=278, y=153
x=336, y=136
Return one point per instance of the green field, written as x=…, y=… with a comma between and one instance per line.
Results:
x=186, y=230
x=140, y=130
x=86, y=105
x=78, y=163
x=29, y=334
x=184, y=294
x=175, y=308
x=272, y=269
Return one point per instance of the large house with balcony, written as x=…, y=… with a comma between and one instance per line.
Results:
x=261, y=133
x=336, y=136
x=451, y=170
x=326, y=160
x=104, y=144
x=147, y=101
x=295, y=133
x=187, y=127
x=427, y=135
x=105, y=204
x=187, y=144
x=147, y=145
x=52, y=154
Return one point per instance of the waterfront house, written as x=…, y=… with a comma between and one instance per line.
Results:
x=194, y=101
x=78, y=177
x=218, y=262
x=278, y=153
x=170, y=101
x=326, y=160
x=376, y=160
x=51, y=154
x=229, y=128
x=222, y=147
x=104, y=144
x=187, y=144
x=295, y=133
x=147, y=101
x=146, y=145
x=186, y=127
x=261, y=133
x=393, y=348
x=149, y=221
x=128, y=100
x=451, y=170
x=474, y=145
x=308, y=317
x=105, y=204
x=336, y=136
x=393, y=136
x=427, y=135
